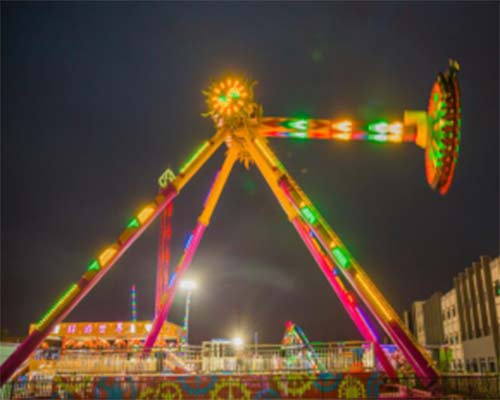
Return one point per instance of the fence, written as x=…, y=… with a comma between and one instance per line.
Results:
x=212, y=357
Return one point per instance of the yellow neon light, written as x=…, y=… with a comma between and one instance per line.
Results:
x=343, y=126
x=396, y=128
x=317, y=246
x=107, y=255
x=270, y=159
x=145, y=213
x=61, y=303
x=342, y=136
x=340, y=283
x=374, y=297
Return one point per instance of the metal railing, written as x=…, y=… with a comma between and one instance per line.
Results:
x=212, y=358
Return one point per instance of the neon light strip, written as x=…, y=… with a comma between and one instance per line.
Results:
x=68, y=295
x=341, y=284
x=211, y=188
x=133, y=303
x=188, y=241
x=270, y=158
x=194, y=156
x=374, y=297
x=367, y=136
x=367, y=324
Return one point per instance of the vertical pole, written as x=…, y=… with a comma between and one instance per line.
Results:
x=186, y=317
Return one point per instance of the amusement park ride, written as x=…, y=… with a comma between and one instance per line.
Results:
x=242, y=127
x=294, y=335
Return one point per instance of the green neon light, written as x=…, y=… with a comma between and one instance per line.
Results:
x=341, y=257
x=380, y=138
x=435, y=157
x=298, y=124
x=61, y=300
x=223, y=98
x=436, y=97
x=235, y=94
x=309, y=215
x=94, y=266
x=298, y=135
x=134, y=223
x=193, y=157
x=379, y=127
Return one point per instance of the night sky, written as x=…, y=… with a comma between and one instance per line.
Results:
x=98, y=99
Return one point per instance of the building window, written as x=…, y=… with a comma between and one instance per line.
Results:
x=474, y=365
x=491, y=361
x=482, y=365
x=453, y=311
x=497, y=287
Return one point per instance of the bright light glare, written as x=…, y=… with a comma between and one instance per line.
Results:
x=237, y=341
x=188, y=285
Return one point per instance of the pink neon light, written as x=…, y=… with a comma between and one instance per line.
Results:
x=337, y=286
x=365, y=320
x=416, y=359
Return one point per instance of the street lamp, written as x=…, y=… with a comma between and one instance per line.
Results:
x=238, y=342
x=189, y=286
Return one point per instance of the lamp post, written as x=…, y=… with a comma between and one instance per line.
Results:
x=189, y=286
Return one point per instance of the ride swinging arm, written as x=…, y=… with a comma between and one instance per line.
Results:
x=191, y=248
x=293, y=198
x=108, y=257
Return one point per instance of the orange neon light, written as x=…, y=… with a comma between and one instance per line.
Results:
x=107, y=255
x=374, y=297
x=340, y=283
x=145, y=213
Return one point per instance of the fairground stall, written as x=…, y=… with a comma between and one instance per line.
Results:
x=97, y=347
